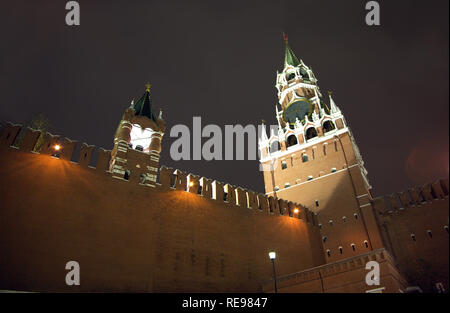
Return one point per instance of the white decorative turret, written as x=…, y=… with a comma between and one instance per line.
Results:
x=333, y=106
x=263, y=138
x=315, y=116
x=298, y=125
x=278, y=116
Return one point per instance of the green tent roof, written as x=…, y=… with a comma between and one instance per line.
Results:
x=289, y=57
x=143, y=106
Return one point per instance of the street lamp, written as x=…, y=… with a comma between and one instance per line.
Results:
x=57, y=148
x=272, y=256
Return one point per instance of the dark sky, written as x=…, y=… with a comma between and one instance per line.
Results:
x=218, y=60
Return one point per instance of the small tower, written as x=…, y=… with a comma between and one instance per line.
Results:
x=313, y=159
x=137, y=142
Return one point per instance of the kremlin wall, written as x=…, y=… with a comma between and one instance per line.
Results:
x=186, y=233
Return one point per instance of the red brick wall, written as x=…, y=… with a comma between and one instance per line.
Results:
x=425, y=260
x=130, y=237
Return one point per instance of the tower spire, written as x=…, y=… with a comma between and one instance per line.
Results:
x=333, y=106
x=144, y=105
x=289, y=56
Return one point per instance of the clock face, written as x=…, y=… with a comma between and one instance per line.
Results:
x=297, y=109
x=140, y=137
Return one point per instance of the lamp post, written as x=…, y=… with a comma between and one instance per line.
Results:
x=272, y=256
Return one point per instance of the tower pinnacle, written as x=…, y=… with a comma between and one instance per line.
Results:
x=289, y=56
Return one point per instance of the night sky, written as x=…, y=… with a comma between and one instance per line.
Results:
x=218, y=60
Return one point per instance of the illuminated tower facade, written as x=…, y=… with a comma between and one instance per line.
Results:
x=137, y=142
x=312, y=158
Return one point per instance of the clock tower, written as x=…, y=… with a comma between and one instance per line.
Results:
x=313, y=159
x=137, y=142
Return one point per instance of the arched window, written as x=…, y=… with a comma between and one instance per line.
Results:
x=333, y=170
x=274, y=146
x=340, y=250
x=328, y=126
x=344, y=219
x=304, y=157
x=311, y=133
x=286, y=185
x=126, y=175
x=331, y=222
x=291, y=140
x=353, y=246
x=139, y=148
x=430, y=233
x=283, y=165
x=356, y=216
x=310, y=177
x=328, y=253
x=290, y=76
x=446, y=228
x=277, y=188
x=324, y=238
x=413, y=237
x=366, y=243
